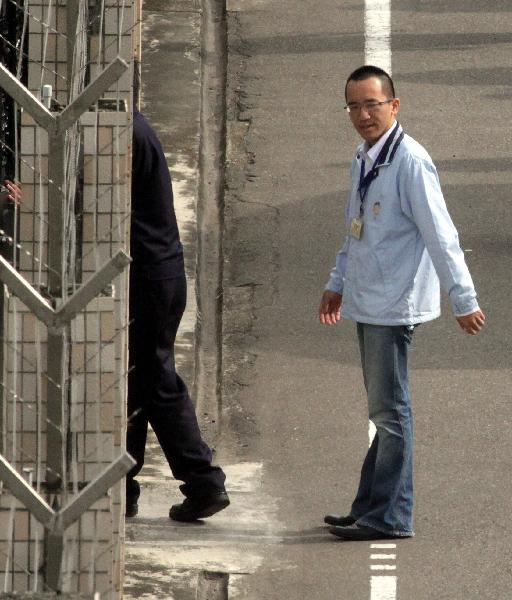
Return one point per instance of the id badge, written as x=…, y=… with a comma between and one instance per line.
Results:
x=356, y=227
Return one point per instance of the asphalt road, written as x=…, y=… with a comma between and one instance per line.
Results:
x=293, y=394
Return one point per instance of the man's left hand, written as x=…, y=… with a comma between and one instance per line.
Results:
x=472, y=323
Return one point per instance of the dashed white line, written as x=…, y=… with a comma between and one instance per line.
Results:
x=382, y=556
x=383, y=567
x=383, y=587
x=382, y=545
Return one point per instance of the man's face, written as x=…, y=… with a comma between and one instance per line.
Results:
x=371, y=123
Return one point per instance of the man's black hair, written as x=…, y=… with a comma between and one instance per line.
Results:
x=367, y=71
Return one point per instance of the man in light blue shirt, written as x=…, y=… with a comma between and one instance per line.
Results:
x=401, y=246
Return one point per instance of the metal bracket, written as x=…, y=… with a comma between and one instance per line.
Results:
x=63, y=121
x=96, y=489
x=56, y=320
x=89, y=290
x=25, y=98
x=91, y=94
x=26, y=293
x=57, y=521
x=26, y=494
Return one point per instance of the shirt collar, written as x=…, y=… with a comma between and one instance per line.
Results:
x=370, y=154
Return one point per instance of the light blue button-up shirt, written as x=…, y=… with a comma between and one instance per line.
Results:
x=409, y=244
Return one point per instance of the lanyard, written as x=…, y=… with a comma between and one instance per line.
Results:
x=365, y=180
x=364, y=183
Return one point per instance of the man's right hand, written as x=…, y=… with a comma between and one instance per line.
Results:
x=472, y=323
x=12, y=192
x=329, y=312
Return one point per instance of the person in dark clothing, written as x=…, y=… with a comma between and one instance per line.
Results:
x=156, y=393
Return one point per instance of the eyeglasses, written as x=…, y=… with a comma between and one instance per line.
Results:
x=369, y=107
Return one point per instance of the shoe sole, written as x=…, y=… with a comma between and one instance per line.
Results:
x=203, y=514
x=338, y=521
x=362, y=537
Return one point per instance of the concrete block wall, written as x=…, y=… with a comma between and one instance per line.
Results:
x=89, y=560
x=95, y=412
x=47, y=48
x=106, y=177
x=110, y=34
x=103, y=220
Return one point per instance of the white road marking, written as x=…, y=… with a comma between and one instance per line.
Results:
x=377, y=51
x=383, y=587
x=382, y=556
x=377, y=37
x=372, y=430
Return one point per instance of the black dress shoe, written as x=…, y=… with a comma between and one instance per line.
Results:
x=360, y=533
x=339, y=520
x=132, y=508
x=200, y=507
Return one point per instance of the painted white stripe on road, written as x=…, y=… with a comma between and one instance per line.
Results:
x=377, y=51
x=377, y=36
x=372, y=430
x=383, y=587
x=382, y=556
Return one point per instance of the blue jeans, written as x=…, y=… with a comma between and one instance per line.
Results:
x=384, y=499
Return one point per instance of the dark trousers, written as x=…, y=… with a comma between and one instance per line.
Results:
x=156, y=393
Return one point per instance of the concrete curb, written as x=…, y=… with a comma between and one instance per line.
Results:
x=210, y=219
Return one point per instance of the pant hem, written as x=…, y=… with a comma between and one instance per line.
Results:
x=390, y=532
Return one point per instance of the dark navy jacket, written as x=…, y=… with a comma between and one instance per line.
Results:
x=155, y=244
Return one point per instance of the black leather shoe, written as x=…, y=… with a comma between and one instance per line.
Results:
x=200, y=507
x=339, y=520
x=360, y=533
x=132, y=508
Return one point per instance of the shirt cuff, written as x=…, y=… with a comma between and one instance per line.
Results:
x=466, y=313
x=333, y=286
x=464, y=304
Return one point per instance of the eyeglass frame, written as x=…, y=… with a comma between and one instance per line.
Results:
x=370, y=109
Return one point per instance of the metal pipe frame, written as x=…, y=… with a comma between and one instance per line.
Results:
x=31, y=298
x=57, y=521
x=58, y=320
x=39, y=306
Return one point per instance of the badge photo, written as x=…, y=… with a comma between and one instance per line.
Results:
x=356, y=228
